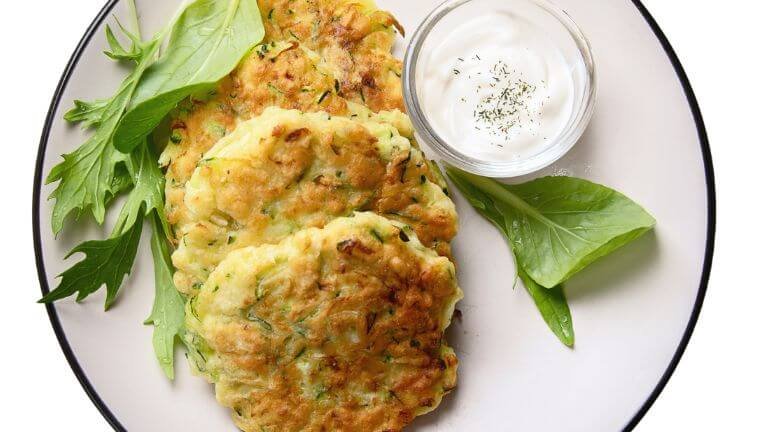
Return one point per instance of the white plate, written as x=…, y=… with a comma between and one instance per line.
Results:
x=633, y=311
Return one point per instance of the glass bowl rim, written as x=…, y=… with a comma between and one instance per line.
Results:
x=566, y=140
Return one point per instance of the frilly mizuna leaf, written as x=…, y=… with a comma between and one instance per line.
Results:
x=107, y=262
x=89, y=176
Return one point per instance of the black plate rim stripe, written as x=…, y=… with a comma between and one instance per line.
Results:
x=36, y=192
x=687, y=334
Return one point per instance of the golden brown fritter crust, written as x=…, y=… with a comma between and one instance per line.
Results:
x=354, y=39
x=338, y=329
x=286, y=170
x=317, y=55
x=282, y=75
x=332, y=329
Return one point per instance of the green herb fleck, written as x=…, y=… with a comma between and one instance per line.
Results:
x=176, y=137
x=251, y=316
x=378, y=237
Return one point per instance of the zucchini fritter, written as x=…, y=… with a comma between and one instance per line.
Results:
x=285, y=171
x=334, y=329
x=306, y=314
x=353, y=38
x=318, y=55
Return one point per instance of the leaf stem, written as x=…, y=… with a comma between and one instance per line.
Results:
x=497, y=191
x=133, y=15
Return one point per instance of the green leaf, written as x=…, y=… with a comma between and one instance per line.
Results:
x=89, y=177
x=147, y=192
x=553, y=307
x=89, y=113
x=117, y=51
x=556, y=225
x=207, y=42
x=86, y=177
x=121, y=181
x=168, y=310
x=106, y=262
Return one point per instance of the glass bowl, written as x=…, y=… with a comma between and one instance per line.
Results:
x=559, y=25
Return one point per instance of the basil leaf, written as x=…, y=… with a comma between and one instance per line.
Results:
x=106, y=262
x=553, y=307
x=168, y=310
x=556, y=225
x=89, y=177
x=207, y=42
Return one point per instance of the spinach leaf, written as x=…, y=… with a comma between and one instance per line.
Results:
x=553, y=308
x=90, y=176
x=207, y=42
x=168, y=310
x=106, y=262
x=556, y=225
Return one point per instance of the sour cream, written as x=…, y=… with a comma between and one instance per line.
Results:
x=498, y=86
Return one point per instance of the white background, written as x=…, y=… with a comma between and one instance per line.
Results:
x=720, y=383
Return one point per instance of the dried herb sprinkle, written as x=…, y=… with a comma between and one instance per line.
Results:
x=507, y=108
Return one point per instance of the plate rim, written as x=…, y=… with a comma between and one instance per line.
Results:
x=636, y=418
